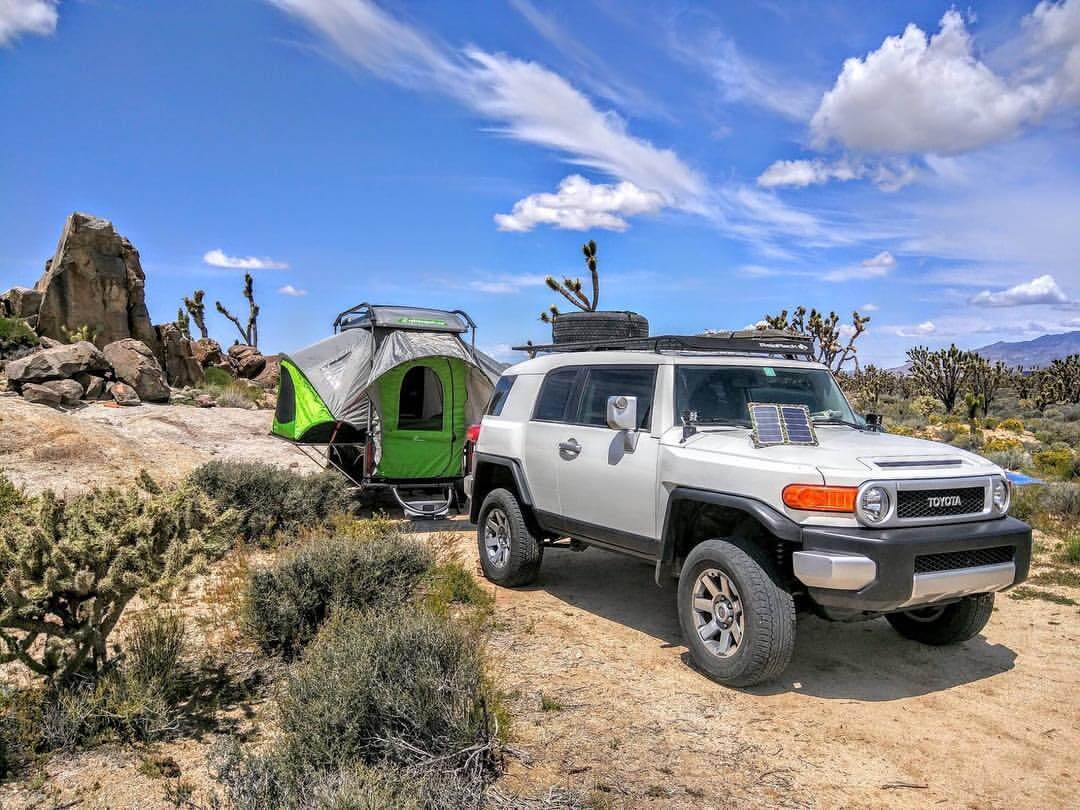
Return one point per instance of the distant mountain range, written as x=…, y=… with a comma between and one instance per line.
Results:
x=1027, y=353
x=1037, y=352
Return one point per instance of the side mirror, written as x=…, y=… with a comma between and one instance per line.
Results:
x=622, y=413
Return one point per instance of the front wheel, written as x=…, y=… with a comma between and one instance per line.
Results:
x=738, y=623
x=945, y=624
x=509, y=553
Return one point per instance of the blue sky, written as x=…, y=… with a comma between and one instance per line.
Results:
x=916, y=161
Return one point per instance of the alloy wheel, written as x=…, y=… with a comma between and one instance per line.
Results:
x=718, y=613
x=497, y=537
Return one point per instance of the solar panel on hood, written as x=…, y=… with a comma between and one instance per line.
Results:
x=766, y=422
x=781, y=424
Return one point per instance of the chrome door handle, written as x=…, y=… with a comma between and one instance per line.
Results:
x=570, y=446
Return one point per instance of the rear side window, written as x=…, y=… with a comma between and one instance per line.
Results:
x=499, y=395
x=638, y=381
x=554, y=395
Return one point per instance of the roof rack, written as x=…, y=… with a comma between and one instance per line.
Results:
x=747, y=342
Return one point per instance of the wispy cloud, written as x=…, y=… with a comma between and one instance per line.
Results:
x=869, y=307
x=1041, y=290
x=918, y=330
x=504, y=284
x=18, y=17
x=579, y=205
x=874, y=267
x=218, y=258
x=289, y=289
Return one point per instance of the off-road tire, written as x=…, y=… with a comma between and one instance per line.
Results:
x=522, y=565
x=769, y=613
x=958, y=622
x=576, y=327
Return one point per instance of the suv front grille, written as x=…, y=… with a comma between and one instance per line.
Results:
x=951, y=560
x=925, y=503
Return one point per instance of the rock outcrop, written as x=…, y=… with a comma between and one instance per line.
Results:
x=40, y=395
x=57, y=363
x=94, y=280
x=69, y=391
x=208, y=353
x=20, y=302
x=134, y=364
x=271, y=373
x=246, y=360
x=181, y=367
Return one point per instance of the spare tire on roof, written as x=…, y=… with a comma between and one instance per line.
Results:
x=576, y=327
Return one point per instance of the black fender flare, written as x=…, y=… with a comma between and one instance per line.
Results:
x=513, y=465
x=777, y=524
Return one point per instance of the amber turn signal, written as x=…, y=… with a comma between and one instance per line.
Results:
x=816, y=498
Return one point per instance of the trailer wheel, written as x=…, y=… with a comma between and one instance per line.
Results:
x=509, y=553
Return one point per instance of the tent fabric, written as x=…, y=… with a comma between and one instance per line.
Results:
x=300, y=408
x=424, y=453
x=338, y=369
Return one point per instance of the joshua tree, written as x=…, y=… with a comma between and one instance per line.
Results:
x=985, y=379
x=869, y=383
x=942, y=373
x=570, y=289
x=251, y=333
x=183, y=323
x=197, y=309
x=827, y=333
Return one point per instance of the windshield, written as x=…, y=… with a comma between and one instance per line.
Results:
x=720, y=394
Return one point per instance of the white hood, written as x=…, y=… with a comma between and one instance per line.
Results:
x=845, y=456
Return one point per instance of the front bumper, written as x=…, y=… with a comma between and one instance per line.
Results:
x=853, y=571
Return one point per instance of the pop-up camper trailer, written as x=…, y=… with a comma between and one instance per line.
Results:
x=386, y=401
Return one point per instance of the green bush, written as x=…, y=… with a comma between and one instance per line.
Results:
x=1012, y=424
x=70, y=567
x=14, y=333
x=394, y=687
x=1071, y=551
x=288, y=601
x=1061, y=500
x=269, y=499
x=999, y=444
x=1013, y=458
x=218, y=377
x=1057, y=462
x=450, y=584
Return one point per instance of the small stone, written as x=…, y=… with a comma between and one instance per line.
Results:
x=204, y=401
x=124, y=394
x=40, y=395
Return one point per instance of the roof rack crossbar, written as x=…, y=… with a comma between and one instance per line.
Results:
x=730, y=342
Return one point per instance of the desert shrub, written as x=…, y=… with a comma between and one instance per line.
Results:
x=269, y=499
x=1012, y=424
x=450, y=584
x=901, y=430
x=1014, y=458
x=1025, y=503
x=998, y=444
x=218, y=377
x=154, y=647
x=20, y=727
x=926, y=406
x=395, y=687
x=288, y=601
x=1071, y=413
x=16, y=338
x=1058, y=462
x=1061, y=500
x=70, y=567
x=1070, y=551
x=232, y=397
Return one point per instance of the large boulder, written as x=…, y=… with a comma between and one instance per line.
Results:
x=181, y=367
x=124, y=394
x=57, y=363
x=246, y=360
x=134, y=364
x=95, y=280
x=271, y=373
x=93, y=385
x=20, y=302
x=40, y=395
x=70, y=392
x=208, y=353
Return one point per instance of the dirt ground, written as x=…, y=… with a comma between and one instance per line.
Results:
x=602, y=694
x=97, y=445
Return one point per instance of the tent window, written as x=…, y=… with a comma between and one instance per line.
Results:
x=286, y=401
x=421, y=405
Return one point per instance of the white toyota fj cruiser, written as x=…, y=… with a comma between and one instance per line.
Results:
x=741, y=469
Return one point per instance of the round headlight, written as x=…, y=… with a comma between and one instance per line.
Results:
x=1001, y=495
x=874, y=504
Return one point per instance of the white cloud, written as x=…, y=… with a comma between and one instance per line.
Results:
x=504, y=284
x=891, y=176
x=579, y=205
x=920, y=94
x=747, y=81
x=526, y=101
x=869, y=307
x=218, y=258
x=19, y=17
x=919, y=330
x=289, y=289
x=1041, y=290
x=873, y=267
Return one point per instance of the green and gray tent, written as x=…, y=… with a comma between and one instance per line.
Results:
x=390, y=394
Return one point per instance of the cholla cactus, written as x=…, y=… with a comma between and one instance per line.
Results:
x=70, y=567
x=571, y=288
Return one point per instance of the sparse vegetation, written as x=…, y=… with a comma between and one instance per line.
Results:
x=1023, y=593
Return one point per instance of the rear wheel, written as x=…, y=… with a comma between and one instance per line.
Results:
x=945, y=624
x=509, y=553
x=738, y=623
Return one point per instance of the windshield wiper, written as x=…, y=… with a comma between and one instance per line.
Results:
x=836, y=421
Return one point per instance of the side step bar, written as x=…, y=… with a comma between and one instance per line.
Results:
x=427, y=508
